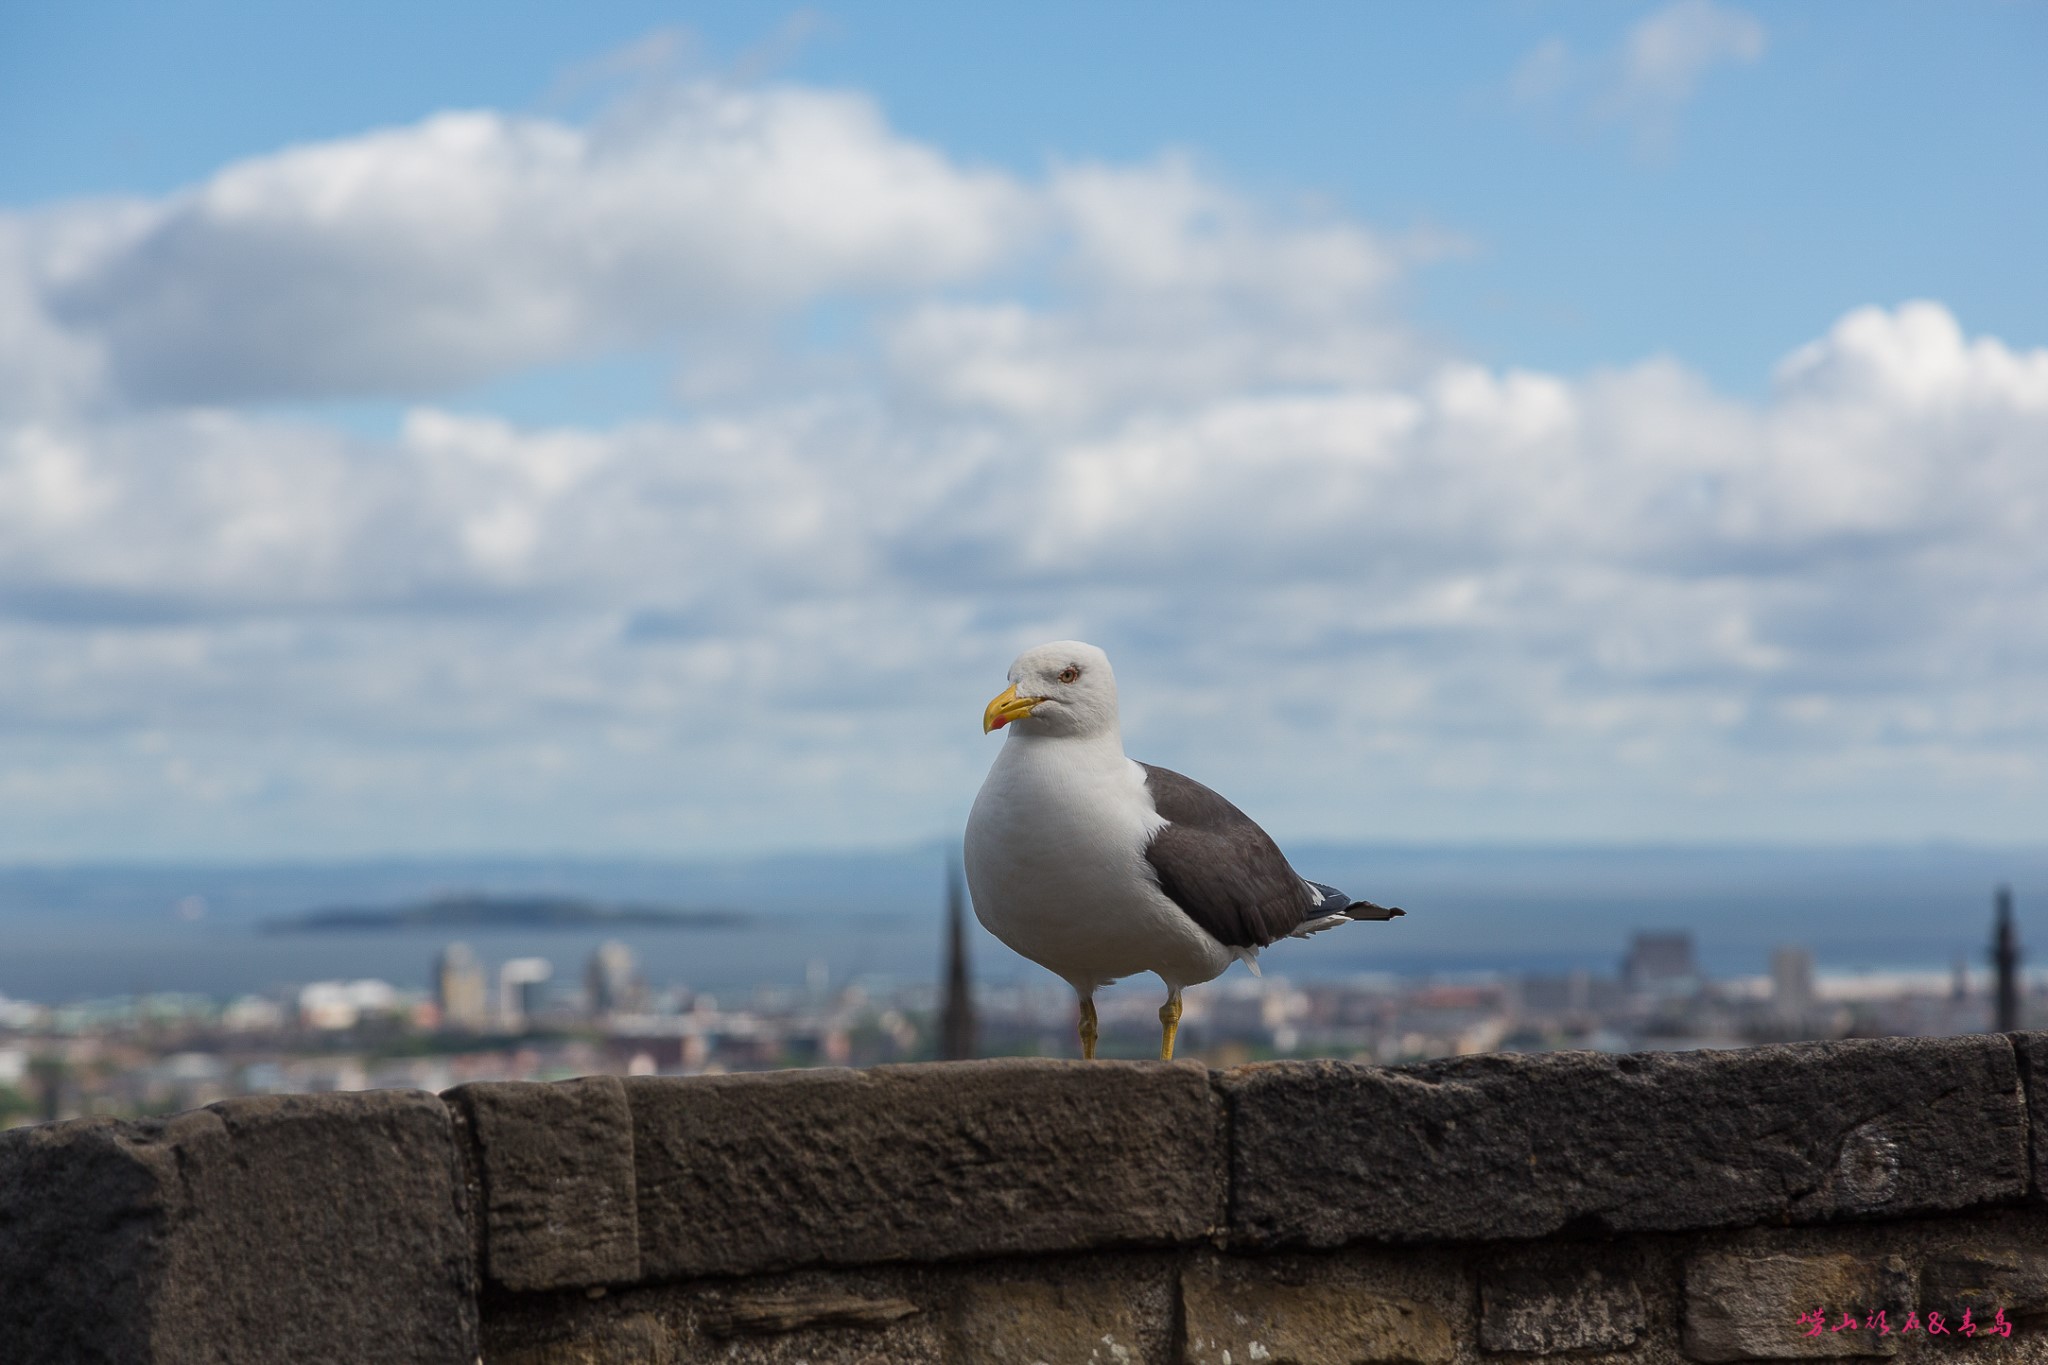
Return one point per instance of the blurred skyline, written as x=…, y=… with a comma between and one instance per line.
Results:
x=654, y=429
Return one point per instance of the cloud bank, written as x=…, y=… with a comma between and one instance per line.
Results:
x=1370, y=588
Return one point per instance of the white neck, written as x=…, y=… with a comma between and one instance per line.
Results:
x=1102, y=748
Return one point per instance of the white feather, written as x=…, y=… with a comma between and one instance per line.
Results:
x=1055, y=847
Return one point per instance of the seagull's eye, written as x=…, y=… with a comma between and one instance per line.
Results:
x=1070, y=674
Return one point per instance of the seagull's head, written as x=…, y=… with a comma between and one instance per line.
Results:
x=1064, y=688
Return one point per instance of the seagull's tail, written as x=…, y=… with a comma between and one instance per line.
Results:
x=1333, y=908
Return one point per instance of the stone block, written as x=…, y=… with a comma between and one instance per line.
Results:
x=738, y=1174
x=272, y=1229
x=555, y=1166
x=771, y=1312
x=807, y=1320
x=2032, y=1051
x=1114, y=1319
x=85, y=1214
x=1505, y=1146
x=1747, y=1305
x=1986, y=1279
x=633, y=1339
x=1326, y=1315
x=1558, y=1301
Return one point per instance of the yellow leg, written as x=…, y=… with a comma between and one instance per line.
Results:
x=1088, y=1028
x=1169, y=1025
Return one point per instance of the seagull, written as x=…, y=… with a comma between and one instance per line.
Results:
x=1096, y=866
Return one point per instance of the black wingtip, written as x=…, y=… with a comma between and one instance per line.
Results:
x=1367, y=910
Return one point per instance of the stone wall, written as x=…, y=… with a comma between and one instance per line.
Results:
x=1651, y=1208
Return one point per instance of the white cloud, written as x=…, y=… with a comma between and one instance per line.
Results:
x=1667, y=54
x=1655, y=70
x=1171, y=288
x=414, y=259
x=1121, y=402
x=44, y=367
x=1504, y=589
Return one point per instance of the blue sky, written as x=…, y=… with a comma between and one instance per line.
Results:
x=465, y=427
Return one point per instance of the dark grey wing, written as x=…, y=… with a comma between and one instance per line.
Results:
x=1221, y=868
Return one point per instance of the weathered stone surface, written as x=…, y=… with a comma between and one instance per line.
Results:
x=1094, y=1321
x=767, y=1312
x=1987, y=1279
x=809, y=1318
x=633, y=1339
x=745, y=1173
x=1560, y=1301
x=1236, y=1311
x=910, y=1341
x=83, y=1230
x=273, y=1229
x=1524, y=1146
x=556, y=1167
x=319, y=1227
x=469, y=1177
x=1747, y=1305
x=2032, y=1052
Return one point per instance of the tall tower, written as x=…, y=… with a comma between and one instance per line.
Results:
x=2005, y=957
x=956, y=1014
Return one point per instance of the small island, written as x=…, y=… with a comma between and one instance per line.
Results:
x=481, y=910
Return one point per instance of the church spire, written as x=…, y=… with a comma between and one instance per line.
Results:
x=956, y=1014
x=2005, y=959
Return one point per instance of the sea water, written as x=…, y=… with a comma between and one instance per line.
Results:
x=74, y=932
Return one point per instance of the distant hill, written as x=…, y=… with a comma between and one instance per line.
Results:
x=478, y=910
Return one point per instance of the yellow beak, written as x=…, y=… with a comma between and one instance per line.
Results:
x=1007, y=708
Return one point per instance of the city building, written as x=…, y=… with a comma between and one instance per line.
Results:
x=459, y=989
x=523, y=989
x=609, y=982
x=1661, y=964
x=1791, y=980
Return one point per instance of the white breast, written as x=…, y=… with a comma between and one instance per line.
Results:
x=1056, y=865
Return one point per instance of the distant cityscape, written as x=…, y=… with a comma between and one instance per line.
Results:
x=521, y=1018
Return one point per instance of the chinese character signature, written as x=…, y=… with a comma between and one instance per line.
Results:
x=1933, y=1324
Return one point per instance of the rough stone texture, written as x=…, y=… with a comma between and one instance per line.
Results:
x=319, y=1227
x=864, y=1317
x=469, y=1176
x=272, y=1229
x=1305, y=1313
x=2031, y=1050
x=83, y=1227
x=555, y=1163
x=635, y=1339
x=1095, y=1321
x=1986, y=1279
x=1034, y=1211
x=1558, y=1300
x=1116, y=1308
x=1326, y=1153
x=746, y=1173
x=1746, y=1305
x=772, y=1312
